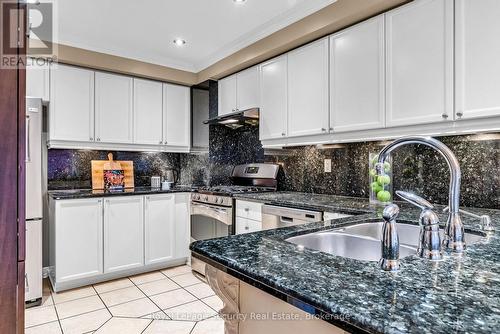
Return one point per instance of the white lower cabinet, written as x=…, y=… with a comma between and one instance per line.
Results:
x=123, y=233
x=245, y=225
x=159, y=228
x=94, y=240
x=76, y=239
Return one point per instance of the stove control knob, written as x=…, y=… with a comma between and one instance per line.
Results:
x=198, y=197
x=216, y=200
x=206, y=198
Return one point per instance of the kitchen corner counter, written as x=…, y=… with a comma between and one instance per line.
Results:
x=90, y=193
x=458, y=294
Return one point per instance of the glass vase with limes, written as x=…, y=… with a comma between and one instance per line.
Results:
x=380, y=186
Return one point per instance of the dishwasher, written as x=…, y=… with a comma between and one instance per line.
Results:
x=278, y=216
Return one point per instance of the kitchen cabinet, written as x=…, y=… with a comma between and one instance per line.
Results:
x=357, y=77
x=159, y=228
x=113, y=108
x=248, y=217
x=227, y=95
x=274, y=99
x=182, y=225
x=176, y=116
x=200, y=114
x=71, y=115
x=419, y=63
x=38, y=79
x=240, y=91
x=148, y=112
x=308, y=89
x=123, y=233
x=248, y=89
x=476, y=54
x=245, y=225
x=76, y=235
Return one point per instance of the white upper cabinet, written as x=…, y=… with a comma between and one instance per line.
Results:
x=37, y=79
x=176, y=115
x=308, y=89
x=113, y=108
x=357, y=77
x=123, y=233
x=273, y=110
x=477, y=39
x=247, y=89
x=72, y=104
x=200, y=114
x=419, y=63
x=227, y=95
x=148, y=112
x=159, y=228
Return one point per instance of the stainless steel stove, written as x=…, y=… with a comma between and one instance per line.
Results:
x=212, y=208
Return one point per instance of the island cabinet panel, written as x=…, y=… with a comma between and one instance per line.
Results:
x=419, y=63
x=71, y=116
x=159, y=228
x=273, y=98
x=123, y=233
x=308, y=89
x=78, y=235
x=148, y=112
x=477, y=46
x=357, y=77
x=113, y=108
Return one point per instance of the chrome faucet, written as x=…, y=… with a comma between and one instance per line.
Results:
x=454, y=236
x=390, y=239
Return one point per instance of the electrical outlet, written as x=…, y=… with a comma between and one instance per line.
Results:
x=328, y=165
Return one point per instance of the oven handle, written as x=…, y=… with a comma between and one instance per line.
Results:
x=210, y=207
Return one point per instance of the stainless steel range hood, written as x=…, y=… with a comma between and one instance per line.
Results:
x=236, y=119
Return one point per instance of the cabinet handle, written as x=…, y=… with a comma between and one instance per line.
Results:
x=28, y=145
x=460, y=114
x=99, y=201
x=98, y=139
x=323, y=129
x=247, y=228
x=27, y=282
x=160, y=142
x=166, y=142
x=91, y=139
x=445, y=116
x=283, y=134
x=247, y=209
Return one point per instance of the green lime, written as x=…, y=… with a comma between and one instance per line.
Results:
x=373, y=172
x=384, y=196
x=387, y=167
x=383, y=180
x=376, y=187
x=375, y=159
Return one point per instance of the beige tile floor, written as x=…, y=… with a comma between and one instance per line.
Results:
x=170, y=301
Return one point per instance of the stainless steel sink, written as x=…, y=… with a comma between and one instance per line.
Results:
x=346, y=245
x=362, y=241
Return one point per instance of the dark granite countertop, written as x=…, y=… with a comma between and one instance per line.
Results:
x=456, y=295
x=90, y=193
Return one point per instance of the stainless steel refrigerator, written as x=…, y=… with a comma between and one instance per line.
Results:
x=34, y=207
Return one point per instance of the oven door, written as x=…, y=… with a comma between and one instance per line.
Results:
x=207, y=222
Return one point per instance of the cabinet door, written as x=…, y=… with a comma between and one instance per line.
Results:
x=248, y=89
x=227, y=95
x=159, y=228
x=148, y=112
x=200, y=114
x=37, y=78
x=182, y=225
x=357, y=77
x=245, y=225
x=71, y=115
x=308, y=89
x=113, y=108
x=177, y=115
x=419, y=63
x=123, y=233
x=273, y=97
x=477, y=65
x=78, y=239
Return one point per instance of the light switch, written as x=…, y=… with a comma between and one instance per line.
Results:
x=328, y=165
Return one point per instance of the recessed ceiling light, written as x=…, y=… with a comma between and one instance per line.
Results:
x=179, y=42
x=239, y=1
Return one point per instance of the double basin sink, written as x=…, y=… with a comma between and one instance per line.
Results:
x=363, y=241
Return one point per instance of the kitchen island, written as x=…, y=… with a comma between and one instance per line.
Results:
x=458, y=294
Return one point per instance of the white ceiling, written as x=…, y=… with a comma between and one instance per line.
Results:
x=144, y=30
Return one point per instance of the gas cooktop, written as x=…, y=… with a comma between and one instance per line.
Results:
x=233, y=190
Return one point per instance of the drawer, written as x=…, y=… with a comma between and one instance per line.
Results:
x=334, y=215
x=244, y=225
x=250, y=210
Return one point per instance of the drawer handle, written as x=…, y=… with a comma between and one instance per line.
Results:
x=247, y=209
x=247, y=228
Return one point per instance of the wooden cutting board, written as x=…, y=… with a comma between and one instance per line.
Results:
x=98, y=167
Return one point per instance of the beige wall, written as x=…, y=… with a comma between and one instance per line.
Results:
x=334, y=17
